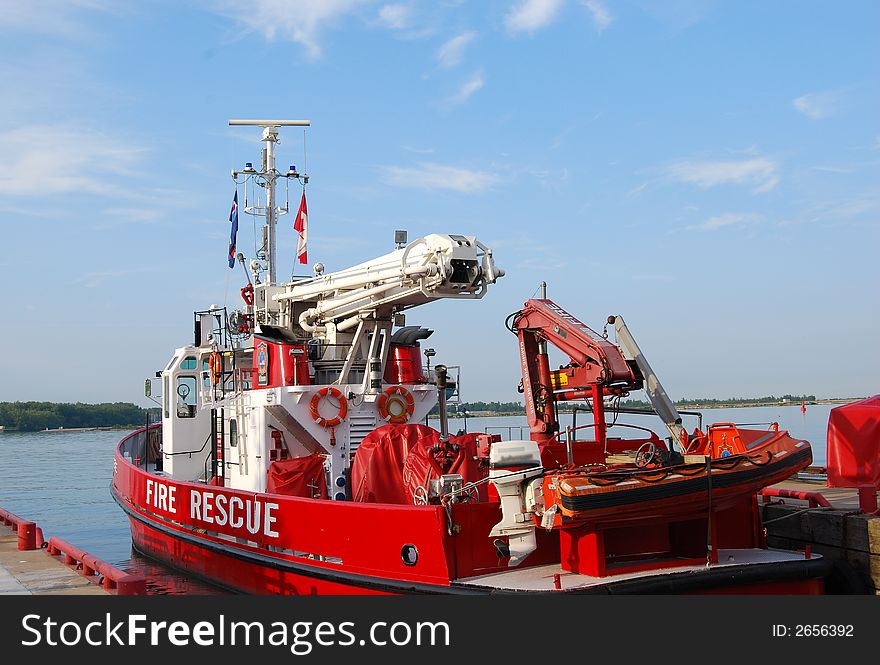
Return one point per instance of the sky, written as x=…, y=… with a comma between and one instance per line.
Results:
x=708, y=169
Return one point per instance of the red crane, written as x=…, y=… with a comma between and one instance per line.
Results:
x=596, y=367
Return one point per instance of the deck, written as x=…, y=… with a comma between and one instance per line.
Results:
x=543, y=578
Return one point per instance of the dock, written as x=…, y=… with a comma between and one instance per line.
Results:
x=35, y=573
x=840, y=532
x=30, y=565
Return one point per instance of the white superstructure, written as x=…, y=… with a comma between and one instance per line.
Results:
x=303, y=367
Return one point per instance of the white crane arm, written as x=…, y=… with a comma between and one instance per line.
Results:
x=435, y=266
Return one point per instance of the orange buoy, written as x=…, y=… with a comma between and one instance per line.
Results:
x=396, y=404
x=316, y=400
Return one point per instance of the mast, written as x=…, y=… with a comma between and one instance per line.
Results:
x=270, y=175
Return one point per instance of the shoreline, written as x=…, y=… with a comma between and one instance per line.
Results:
x=685, y=405
x=72, y=430
x=501, y=414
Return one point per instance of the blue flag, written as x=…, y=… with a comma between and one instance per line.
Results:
x=233, y=217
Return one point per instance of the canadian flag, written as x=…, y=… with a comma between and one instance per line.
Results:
x=301, y=226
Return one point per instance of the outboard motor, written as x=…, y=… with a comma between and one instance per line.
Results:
x=511, y=465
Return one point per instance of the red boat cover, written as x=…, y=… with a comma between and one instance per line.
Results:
x=393, y=459
x=301, y=476
x=853, y=454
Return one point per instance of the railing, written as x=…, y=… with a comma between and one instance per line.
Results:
x=774, y=426
x=653, y=435
x=631, y=411
x=96, y=570
x=135, y=445
x=30, y=536
x=509, y=429
x=815, y=499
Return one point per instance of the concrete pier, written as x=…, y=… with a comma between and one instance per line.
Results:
x=34, y=572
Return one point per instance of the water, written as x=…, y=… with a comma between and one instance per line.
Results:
x=812, y=425
x=62, y=480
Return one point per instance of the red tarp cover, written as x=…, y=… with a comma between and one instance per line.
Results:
x=420, y=467
x=302, y=476
x=393, y=459
x=853, y=455
x=376, y=473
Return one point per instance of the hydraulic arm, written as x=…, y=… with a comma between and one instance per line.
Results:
x=596, y=366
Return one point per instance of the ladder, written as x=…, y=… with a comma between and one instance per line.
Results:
x=218, y=431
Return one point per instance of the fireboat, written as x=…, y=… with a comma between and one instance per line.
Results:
x=293, y=454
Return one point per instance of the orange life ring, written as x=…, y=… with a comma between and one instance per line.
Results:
x=316, y=400
x=215, y=365
x=396, y=405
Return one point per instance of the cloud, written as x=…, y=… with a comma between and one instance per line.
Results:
x=833, y=169
x=417, y=150
x=300, y=22
x=532, y=15
x=761, y=172
x=542, y=264
x=395, y=17
x=601, y=18
x=636, y=191
x=439, y=176
x=51, y=160
x=134, y=215
x=652, y=277
x=857, y=208
x=467, y=89
x=91, y=280
x=51, y=16
x=727, y=219
x=678, y=15
x=817, y=105
x=451, y=52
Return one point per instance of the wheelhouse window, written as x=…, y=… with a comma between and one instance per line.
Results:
x=186, y=396
x=188, y=363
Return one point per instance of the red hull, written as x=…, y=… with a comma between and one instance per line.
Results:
x=271, y=544
x=230, y=572
x=242, y=576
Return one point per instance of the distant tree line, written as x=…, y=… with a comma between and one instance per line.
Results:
x=506, y=408
x=34, y=416
x=518, y=409
x=731, y=401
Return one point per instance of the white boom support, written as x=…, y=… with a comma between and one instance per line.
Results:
x=433, y=267
x=653, y=388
